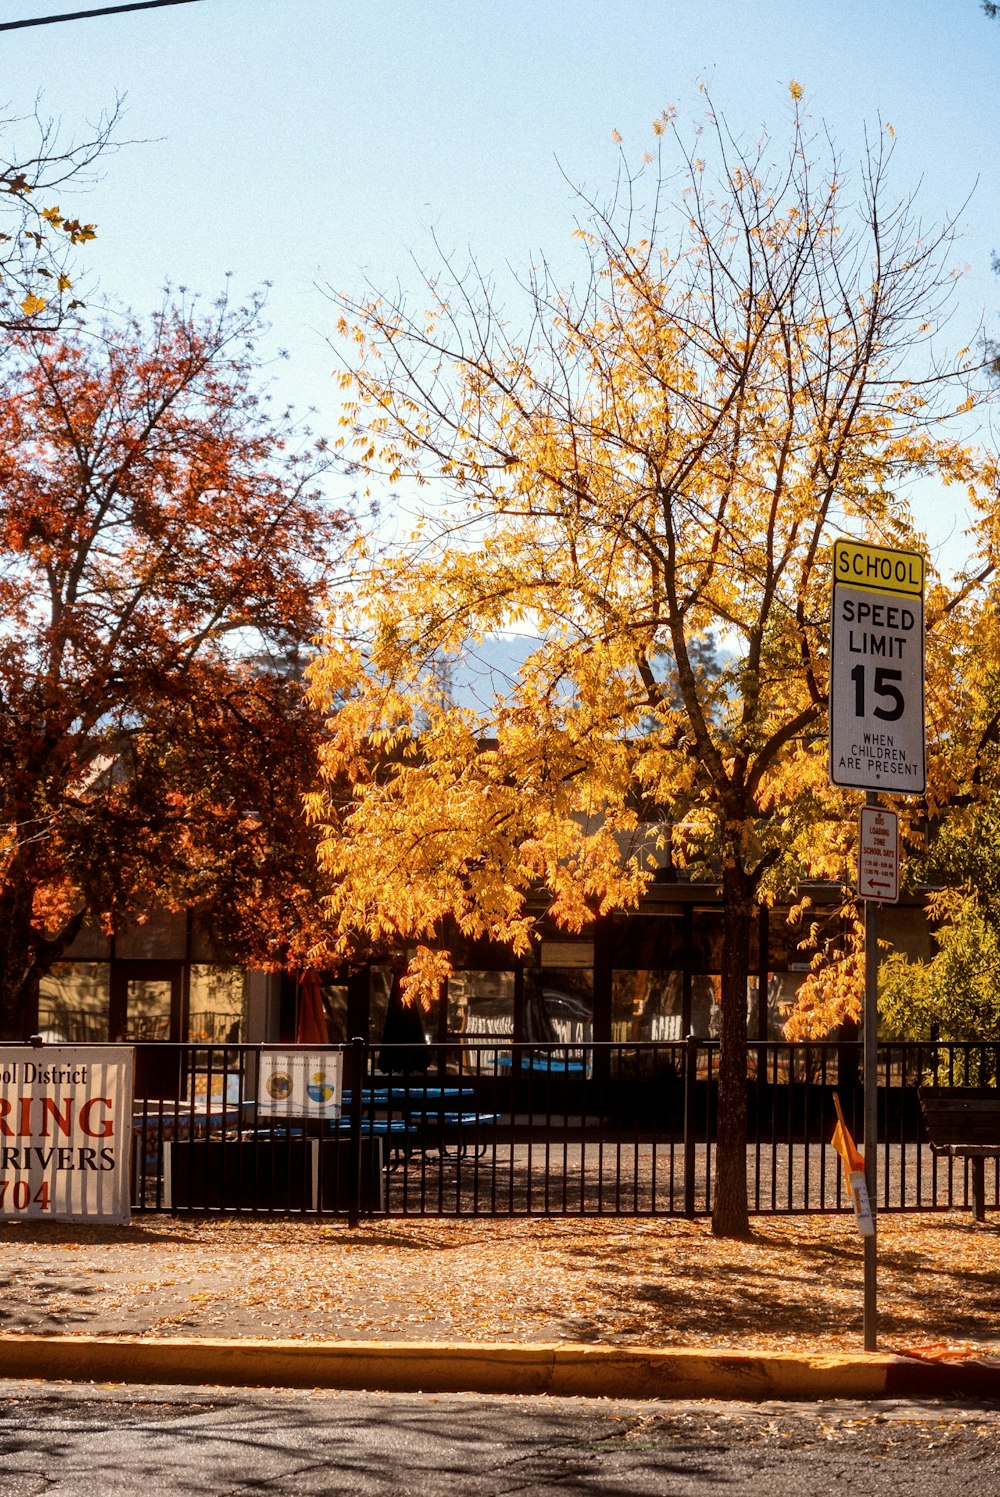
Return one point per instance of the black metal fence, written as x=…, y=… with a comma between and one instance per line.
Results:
x=487, y=1129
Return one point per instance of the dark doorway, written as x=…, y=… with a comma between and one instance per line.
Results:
x=145, y=1001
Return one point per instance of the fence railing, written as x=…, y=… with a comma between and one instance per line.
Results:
x=488, y=1128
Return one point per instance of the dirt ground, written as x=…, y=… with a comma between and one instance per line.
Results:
x=796, y=1286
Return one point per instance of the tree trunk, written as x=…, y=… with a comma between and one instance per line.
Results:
x=26, y=953
x=19, y=969
x=730, y=1217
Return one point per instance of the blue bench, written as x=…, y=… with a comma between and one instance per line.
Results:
x=385, y=1096
x=370, y=1128
x=545, y=1065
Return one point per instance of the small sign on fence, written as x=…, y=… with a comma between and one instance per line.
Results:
x=65, y=1132
x=301, y=1083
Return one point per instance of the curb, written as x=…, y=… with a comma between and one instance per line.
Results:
x=562, y=1370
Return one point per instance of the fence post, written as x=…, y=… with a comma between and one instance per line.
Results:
x=690, y=1079
x=359, y=1069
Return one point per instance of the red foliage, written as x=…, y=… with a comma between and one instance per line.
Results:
x=164, y=545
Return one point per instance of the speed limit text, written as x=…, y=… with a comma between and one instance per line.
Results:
x=882, y=629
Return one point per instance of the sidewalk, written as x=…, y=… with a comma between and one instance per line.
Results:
x=550, y=1298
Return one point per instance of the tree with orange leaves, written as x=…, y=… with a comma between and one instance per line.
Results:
x=163, y=546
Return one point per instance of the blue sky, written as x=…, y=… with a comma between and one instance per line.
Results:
x=303, y=141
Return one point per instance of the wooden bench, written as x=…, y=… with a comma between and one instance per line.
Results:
x=964, y=1122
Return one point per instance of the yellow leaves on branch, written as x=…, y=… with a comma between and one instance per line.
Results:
x=427, y=972
x=76, y=232
x=79, y=233
x=54, y=903
x=833, y=988
x=650, y=483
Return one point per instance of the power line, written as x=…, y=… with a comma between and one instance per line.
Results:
x=84, y=15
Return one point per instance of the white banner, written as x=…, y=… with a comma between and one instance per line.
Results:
x=65, y=1132
x=301, y=1083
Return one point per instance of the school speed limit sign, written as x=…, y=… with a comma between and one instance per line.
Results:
x=877, y=669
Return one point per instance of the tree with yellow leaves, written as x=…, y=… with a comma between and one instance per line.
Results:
x=663, y=458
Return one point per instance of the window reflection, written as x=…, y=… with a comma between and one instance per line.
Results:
x=335, y=1004
x=481, y=1004
x=647, y=1005
x=706, y=1005
x=73, y=1003
x=215, y=1010
x=149, y=1003
x=559, y=1006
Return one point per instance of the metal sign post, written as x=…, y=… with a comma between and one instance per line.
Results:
x=870, y=1081
x=876, y=745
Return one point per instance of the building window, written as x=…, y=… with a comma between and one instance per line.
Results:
x=647, y=1005
x=559, y=1005
x=216, y=1004
x=481, y=1004
x=73, y=1003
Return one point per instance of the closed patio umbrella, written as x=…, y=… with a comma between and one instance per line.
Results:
x=404, y=1031
x=312, y=1027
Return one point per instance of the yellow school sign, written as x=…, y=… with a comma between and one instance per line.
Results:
x=878, y=569
x=877, y=669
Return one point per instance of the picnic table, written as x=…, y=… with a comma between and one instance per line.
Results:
x=411, y=1119
x=435, y=1116
x=239, y=1155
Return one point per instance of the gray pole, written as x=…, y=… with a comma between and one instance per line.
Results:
x=871, y=1109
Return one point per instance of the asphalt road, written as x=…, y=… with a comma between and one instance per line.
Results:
x=62, y=1440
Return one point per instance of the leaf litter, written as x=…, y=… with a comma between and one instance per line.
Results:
x=795, y=1285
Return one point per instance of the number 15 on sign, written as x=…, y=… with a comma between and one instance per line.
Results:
x=877, y=669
